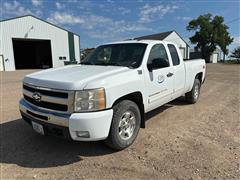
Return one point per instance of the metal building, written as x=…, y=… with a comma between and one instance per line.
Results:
x=28, y=42
x=215, y=57
x=171, y=36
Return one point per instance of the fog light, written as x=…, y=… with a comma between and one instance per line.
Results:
x=83, y=134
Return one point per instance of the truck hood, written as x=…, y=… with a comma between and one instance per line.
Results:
x=72, y=77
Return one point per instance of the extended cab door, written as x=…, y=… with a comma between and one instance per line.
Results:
x=159, y=77
x=178, y=70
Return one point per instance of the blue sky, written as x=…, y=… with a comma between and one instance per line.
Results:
x=102, y=21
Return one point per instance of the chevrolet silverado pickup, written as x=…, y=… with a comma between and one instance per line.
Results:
x=106, y=96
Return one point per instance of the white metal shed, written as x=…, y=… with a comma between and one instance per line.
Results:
x=216, y=55
x=171, y=36
x=28, y=42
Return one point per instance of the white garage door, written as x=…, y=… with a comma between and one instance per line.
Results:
x=1, y=63
x=182, y=50
x=214, y=58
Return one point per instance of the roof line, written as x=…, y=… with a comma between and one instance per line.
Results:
x=156, y=34
x=40, y=20
x=180, y=37
x=167, y=32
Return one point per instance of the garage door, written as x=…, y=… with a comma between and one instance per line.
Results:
x=214, y=58
x=182, y=51
x=32, y=54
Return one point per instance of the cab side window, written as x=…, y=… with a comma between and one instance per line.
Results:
x=174, y=54
x=158, y=53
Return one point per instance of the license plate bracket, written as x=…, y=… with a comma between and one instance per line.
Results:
x=38, y=128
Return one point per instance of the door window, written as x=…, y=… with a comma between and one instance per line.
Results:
x=158, y=52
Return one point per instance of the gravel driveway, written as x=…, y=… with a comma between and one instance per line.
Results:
x=181, y=141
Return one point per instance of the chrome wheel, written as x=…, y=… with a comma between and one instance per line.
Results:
x=127, y=125
x=196, y=91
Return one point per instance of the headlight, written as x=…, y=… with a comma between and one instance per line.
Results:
x=89, y=100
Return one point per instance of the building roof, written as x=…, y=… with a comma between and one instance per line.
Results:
x=159, y=36
x=29, y=15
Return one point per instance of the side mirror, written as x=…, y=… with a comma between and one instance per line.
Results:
x=158, y=63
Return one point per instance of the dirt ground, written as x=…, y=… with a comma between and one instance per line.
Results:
x=181, y=141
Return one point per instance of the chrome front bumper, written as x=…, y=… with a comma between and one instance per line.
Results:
x=56, y=118
x=97, y=124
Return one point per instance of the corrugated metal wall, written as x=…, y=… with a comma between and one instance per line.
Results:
x=29, y=27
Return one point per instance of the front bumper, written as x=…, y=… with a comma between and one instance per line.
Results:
x=97, y=124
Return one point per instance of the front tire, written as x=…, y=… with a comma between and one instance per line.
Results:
x=194, y=94
x=125, y=125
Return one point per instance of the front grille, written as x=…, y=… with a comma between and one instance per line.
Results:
x=48, y=105
x=51, y=99
x=46, y=92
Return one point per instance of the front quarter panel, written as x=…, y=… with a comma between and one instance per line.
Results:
x=119, y=85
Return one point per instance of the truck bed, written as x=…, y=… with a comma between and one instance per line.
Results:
x=191, y=67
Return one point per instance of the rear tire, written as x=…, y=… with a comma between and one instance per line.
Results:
x=194, y=94
x=125, y=125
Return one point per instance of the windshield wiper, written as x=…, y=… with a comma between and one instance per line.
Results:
x=114, y=64
x=87, y=63
x=106, y=64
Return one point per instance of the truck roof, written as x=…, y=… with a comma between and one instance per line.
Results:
x=139, y=41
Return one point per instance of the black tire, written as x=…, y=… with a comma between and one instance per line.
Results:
x=120, y=110
x=191, y=96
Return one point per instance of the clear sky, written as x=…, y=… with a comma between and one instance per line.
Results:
x=100, y=21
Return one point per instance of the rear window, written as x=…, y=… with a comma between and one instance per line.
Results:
x=174, y=54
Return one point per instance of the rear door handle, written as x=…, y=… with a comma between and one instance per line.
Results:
x=169, y=74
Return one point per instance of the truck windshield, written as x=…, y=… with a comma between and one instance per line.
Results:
x=128, y=54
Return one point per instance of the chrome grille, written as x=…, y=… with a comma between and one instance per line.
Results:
x=50, y=99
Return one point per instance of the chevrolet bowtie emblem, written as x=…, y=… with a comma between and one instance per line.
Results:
x=37, y=96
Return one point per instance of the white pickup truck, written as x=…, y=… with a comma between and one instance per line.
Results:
x=106, y=96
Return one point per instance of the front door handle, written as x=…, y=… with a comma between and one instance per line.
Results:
x=169, y=74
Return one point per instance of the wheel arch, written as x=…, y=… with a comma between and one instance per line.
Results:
x=199, y=76
x=137, y=98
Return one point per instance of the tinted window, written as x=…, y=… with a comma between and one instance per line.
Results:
x=129, y=54
x=174, y=54
x=158, y=51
